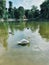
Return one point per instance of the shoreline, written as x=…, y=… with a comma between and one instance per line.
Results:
x=10, y=19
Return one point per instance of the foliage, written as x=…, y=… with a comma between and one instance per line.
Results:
x=10, y=10
x=16, y=13
x=44, y=30
x=33, y=13
x=21, y=12
x=2, y=8
x=26, y=13
x=45, y=9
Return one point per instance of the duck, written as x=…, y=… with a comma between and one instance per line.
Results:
x=23, y=42
x=11, y=33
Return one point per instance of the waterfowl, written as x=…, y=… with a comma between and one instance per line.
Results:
x=11, y=33
x=23, y=42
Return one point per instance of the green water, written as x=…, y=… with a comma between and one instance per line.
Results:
x=36, y=53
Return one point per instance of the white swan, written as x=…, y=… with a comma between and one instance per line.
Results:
x=23, y=42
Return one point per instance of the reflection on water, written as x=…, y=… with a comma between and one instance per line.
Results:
x=44, y=30
x=3, y=34
x=35, y=53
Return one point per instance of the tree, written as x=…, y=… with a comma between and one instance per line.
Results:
x=45, y=9
x=10, y=10
x=2, y=7
x=34, y=8
x=16, y=13
x=35, y=12
x=27, y=13
x=6, y=14
x=10, y=4
x=21, y=11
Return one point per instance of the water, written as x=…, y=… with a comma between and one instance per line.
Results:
x=35, y=53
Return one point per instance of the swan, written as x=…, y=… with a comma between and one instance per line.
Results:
x=23, y=42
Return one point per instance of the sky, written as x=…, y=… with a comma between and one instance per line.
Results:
x=27, y=4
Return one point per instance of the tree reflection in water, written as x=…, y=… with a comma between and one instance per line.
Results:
x=44, y=30
x=3, y=34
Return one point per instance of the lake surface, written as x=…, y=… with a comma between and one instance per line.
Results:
x=35, y=53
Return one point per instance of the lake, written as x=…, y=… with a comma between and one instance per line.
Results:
x=35, y=53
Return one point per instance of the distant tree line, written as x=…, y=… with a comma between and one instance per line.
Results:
x=20, y=13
